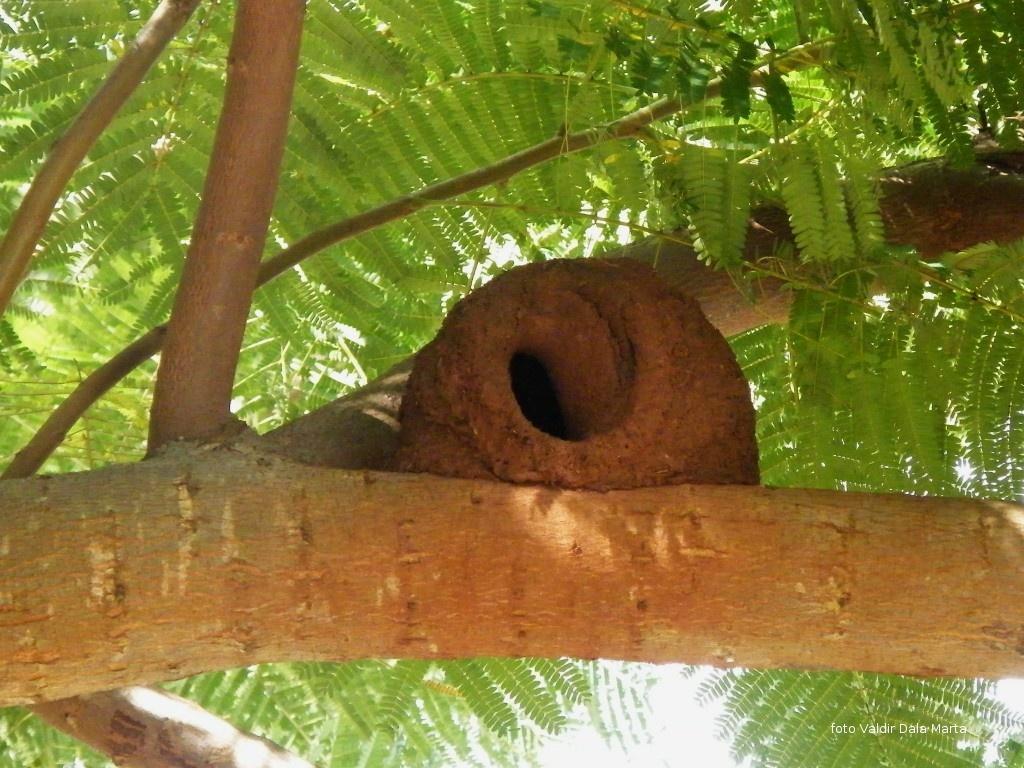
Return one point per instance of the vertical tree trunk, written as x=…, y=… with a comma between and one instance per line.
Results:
x=193, y=388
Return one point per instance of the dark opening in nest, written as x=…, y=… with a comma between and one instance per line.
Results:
x=536, y=395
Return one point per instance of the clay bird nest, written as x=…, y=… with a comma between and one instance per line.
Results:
x=580, y=374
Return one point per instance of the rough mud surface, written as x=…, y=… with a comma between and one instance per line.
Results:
x=580, y=374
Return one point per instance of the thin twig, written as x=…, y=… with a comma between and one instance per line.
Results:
x=32, y=215
x=557, y=146
x=30, y=458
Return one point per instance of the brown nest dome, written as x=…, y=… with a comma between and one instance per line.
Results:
x=579, y=374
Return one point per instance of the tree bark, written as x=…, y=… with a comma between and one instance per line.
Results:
x=140, y=727
x=197, y=369
x=358, y=431
x=214, y=558
x=931, y=206
x=30, y=219
x=156, y=729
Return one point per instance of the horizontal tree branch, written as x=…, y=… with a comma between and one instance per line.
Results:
x=30, y=219
x=931, y=205
x=213, y=558
x=934, y=206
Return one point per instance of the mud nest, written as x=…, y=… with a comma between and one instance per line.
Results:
x=579, y=374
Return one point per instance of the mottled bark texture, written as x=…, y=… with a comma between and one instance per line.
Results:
x=936, y=207
x=216, y=558
x=151, y=728
x=931, y=206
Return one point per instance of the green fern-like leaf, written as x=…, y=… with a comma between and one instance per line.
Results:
x=718, y=191
x=736, y=81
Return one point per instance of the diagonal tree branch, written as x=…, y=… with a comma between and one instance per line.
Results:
x=52, y=433
x=931, y=206
x=30, y=458
x=558, y=146
x=197, y=369
x=30, y=219
x=151, y=728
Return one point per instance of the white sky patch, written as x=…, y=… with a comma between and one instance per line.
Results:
x=756, y=398
x=964, y=470
x=350, y=333
x=503, y=253
x=681, y=732
x=40, y=307
x=598, y=231
x=1011, y=693
x=624, y=233
x=349, y=379
x=164, y=144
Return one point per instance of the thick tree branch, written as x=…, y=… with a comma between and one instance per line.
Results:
x=357, y=431
x=197, y=369
x=150, y=728
x=217, y=558
x=936, y=207
x=931, y=206
x=30, y=219
x=144, y=736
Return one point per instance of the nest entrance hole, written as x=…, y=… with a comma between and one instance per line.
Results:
x=537, y=397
